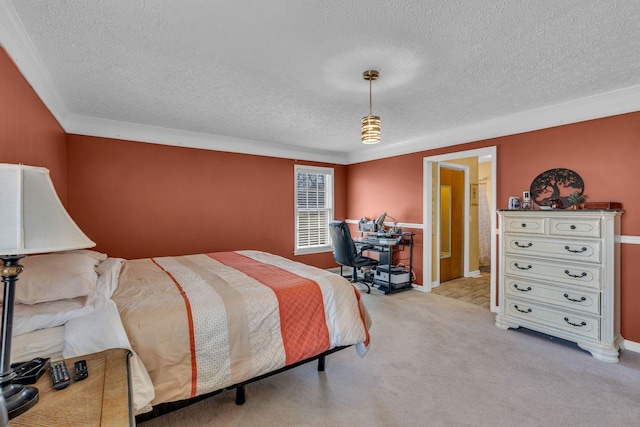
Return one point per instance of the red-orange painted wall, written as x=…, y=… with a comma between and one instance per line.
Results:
x=141, y=200
x=604, y=152
x=29, y=134
x=394, y=186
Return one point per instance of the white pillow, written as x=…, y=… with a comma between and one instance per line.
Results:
x=54, y=288
x=56, y=277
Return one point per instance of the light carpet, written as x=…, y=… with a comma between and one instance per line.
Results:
x=436, y=361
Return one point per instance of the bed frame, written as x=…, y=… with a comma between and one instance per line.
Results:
x=165, y=408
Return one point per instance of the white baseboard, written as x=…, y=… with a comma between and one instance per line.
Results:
x=475, y=273
x=631, y=346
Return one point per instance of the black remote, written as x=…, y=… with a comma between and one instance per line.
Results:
x=29, y=372
x=59, y=375
x=80, y=369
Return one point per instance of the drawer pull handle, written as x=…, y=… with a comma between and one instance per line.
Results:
x=573, y=227
x=528, y=310
x=581, y=324
x=575, y=251
x=524, y=246
x=577, y=276
x=523, y=268
x=575, y=300
x=523, y=225
x=521, y=289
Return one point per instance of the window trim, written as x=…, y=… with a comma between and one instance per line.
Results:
x=331, y=208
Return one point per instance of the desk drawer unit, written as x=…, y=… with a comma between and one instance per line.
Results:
x=559, y=274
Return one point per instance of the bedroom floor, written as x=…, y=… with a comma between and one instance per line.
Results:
x=439, y=362
x=475, y=290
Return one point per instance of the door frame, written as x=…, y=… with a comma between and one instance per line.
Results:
x=427, y=212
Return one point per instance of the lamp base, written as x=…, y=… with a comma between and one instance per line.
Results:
x=19, y=399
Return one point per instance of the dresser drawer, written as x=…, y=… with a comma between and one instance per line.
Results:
x=579, y=300
x=583, y=227
x=528, y=225
x=555, y=271
x=576, y=250
x=579, y=324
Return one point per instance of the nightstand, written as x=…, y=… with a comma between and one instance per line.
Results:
x=103, y=399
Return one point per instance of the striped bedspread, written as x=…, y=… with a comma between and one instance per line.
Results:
x=203, y=322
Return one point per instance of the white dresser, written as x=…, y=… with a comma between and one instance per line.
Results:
x=560, y=275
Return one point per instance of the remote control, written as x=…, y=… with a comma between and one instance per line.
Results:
x=59, y=375
x=80, y=369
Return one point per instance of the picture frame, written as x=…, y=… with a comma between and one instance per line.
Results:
x=474, y=194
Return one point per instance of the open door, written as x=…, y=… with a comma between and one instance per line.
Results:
x=452, y=199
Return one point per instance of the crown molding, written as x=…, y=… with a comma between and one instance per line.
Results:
x=91, y=126
x=593, y=107
x=612, y=103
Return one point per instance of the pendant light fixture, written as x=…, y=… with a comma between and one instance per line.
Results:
x=370, y=123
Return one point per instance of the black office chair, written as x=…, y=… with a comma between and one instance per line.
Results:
x=346, y=254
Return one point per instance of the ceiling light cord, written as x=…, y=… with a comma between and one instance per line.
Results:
x=370, y=100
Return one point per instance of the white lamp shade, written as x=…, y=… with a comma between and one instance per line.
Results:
x=32, y=218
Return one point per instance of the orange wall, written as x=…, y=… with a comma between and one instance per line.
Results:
x=141, y=200
x=29, y=134
x=389, y=185
x=604, y=152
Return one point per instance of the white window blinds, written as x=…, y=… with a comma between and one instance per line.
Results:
x=314, y=208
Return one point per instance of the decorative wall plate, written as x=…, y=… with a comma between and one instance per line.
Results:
x=555, y=184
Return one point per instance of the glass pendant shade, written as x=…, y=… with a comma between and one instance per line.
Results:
x=370, y=130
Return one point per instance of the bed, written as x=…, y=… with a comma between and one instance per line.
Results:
x=195, y=324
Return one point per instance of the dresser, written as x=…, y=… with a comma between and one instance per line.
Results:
x=560, y=275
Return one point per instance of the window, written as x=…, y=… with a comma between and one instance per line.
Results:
x=314, y=208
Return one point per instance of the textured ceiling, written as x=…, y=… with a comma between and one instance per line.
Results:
x=285, y=76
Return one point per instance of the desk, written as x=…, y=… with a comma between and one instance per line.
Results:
x=103, y=399
x=389, y=243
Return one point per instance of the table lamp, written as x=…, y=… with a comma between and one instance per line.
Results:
x=32, y=220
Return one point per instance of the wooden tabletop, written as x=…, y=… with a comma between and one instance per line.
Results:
x=102, y=399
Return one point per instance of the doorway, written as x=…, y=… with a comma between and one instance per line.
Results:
x=431, y=220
